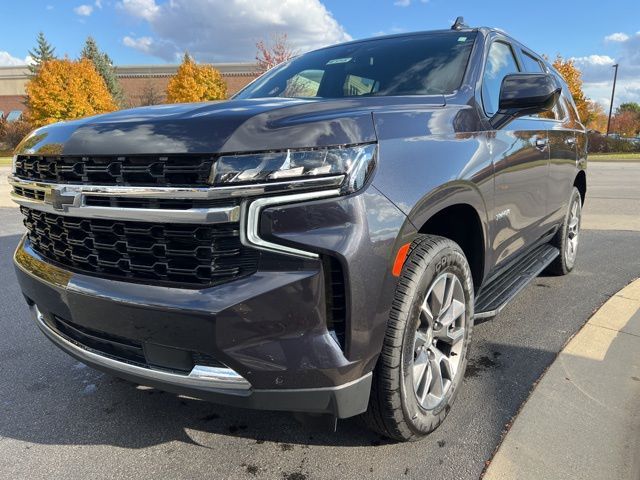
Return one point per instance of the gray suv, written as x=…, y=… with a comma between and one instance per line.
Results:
x=320, y=243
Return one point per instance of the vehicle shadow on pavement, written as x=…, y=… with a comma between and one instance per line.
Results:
x=57, y=400
x=48, y=398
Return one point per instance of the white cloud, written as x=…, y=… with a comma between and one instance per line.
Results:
x=50, y=7
x=98, y=4
x=594, y=68
x=406, y=3
x=617, y=37
x=8, y=60
x=227, y=30
x=145, y=9
x=391, y=31
x=83, y=10
x=143, y=44
x=597, y=72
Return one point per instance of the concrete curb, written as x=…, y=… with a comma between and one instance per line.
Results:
x=582, y=420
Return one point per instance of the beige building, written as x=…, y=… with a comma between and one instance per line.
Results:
x=141, y=83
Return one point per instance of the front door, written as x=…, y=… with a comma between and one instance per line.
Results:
x=520, y=154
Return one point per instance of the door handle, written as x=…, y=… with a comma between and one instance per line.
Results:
x=541, y=143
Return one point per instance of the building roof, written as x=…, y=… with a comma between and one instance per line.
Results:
x=128, y=71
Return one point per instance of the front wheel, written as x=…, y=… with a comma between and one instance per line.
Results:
x=424, y=354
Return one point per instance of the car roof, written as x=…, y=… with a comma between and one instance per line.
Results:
x=484, y=30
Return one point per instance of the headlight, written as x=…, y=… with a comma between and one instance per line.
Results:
x=354, y=163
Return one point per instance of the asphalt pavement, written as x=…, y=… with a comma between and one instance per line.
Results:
x=60, y=419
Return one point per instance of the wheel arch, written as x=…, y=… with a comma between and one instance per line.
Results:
x=580, y=183
x=459, y=214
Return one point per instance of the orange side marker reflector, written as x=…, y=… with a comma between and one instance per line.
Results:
x=401, y=257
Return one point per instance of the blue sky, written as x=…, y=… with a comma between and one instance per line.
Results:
x=597, y=34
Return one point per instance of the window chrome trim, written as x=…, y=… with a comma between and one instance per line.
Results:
x=251, y=213
x=200, y=377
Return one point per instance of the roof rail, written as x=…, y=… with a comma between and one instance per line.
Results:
x=459, y=24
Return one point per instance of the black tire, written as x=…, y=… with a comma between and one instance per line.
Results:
x=565, y=262
x=394, y=408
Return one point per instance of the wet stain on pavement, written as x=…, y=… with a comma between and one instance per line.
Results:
x=251, y=469
x=237, y=428
x=478, y=365
x=295, y=476
x=211, y=416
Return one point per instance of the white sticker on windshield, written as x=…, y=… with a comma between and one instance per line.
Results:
x=462, y=39
x=339, y=60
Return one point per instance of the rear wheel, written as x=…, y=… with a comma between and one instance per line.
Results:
x=568, y=237
x=424, y=354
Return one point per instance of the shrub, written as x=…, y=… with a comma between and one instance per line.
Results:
x=602, y=144
x=12, y=133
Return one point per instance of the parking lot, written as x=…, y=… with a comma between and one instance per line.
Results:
x=60, y=419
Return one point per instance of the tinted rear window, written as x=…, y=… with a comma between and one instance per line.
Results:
x=427, y=64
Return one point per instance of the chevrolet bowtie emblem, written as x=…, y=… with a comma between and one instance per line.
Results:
x=58, y=198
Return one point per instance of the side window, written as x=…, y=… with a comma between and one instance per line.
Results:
x=304, y=84
x=500, y=62
x=531, y=64
x=558, y=112
x=559, y=109
x=355, y=85
x=573, y=114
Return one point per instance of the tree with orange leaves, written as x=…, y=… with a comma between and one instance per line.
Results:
x=66, y=90
x=195, y=83
x=597, y=117
x=573, y=77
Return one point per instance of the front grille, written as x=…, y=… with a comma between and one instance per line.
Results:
x=118, y=348
x=29, y=193
x=132, y=351
x=142, y=170
x=183, y=254
x=159, y=203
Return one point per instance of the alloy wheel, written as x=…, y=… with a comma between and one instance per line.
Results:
x=573, y=232
x=439, y=340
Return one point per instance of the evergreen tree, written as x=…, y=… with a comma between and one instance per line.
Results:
x=42, y=53
x=104, y=66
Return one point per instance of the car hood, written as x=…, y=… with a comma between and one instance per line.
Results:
x=218, y=127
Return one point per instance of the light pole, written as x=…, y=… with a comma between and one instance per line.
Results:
x=613, y=92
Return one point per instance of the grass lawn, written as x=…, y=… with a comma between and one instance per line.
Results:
x=5, y=161
x=603, y=157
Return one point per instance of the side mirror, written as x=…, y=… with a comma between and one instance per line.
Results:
x=525, y=94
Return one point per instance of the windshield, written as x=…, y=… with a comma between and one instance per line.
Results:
x=429, y=64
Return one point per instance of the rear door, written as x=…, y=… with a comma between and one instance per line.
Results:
x=564, y=135
x=520, y=154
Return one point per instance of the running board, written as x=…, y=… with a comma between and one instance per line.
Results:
x=494, y=296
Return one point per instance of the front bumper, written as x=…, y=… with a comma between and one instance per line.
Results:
x=223, y=385
x=268, y=330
